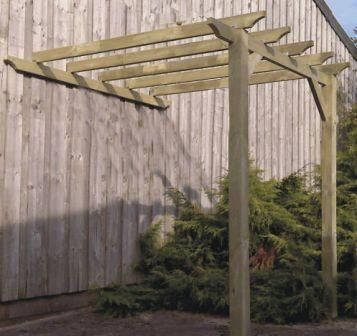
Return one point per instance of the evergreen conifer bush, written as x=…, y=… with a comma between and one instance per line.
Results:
x=189, y=271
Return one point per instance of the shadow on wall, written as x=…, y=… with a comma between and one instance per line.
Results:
x=94, y=178
x=76, y=252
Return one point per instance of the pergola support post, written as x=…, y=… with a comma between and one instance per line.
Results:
x=239, y=296
x=328, y=196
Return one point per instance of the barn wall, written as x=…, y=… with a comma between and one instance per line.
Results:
x=82, y=174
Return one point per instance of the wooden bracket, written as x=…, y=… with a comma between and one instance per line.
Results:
x=318, y=97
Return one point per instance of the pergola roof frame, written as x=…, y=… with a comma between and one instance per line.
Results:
x=249, y=61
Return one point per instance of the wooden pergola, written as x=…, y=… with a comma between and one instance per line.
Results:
x=244, y=59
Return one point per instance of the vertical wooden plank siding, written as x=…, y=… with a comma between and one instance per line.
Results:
x=82, y=174
x=4, y=27
x=253, y=110
x=79, y=162
x=99, y=209
x=59, y=151
x=4, y=35
x=24, y=213
x=282, y=91
x=301, y=136
x=274, y=124
x=260, y=120
x=13, y=151
x=35, y=235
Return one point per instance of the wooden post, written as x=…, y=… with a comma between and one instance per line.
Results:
x=328, y=197
x=239, y=296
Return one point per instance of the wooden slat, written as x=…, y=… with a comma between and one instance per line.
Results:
x=291, y=49
x=79, y=163
x=25, y=213
x=57, y=75
x=11, y=192
x=4, y=26
x=36, y=255
x=259, y=78
x=187, y=49
x=222, y=71
x=142, y=39
x=100, y=215
x=59, y=113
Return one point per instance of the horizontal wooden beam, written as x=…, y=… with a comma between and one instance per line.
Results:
x=258, y=78
x=145, y=38
x=156, y=54
x=42, y=71
x=217, y=72
x=286, y=61
x=291, y=49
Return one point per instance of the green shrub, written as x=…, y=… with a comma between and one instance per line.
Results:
x=189, y=270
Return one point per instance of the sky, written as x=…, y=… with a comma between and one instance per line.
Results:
x=345, y=12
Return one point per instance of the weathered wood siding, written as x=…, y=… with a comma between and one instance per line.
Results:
x=82, y=174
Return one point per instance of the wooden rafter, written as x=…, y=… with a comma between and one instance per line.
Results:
x=256, y=78
x=291, y=49
x=217, y=72
x=65, y=77
x=174, y=51
x=146, y=38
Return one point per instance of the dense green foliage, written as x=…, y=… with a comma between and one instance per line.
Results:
x=188, y=271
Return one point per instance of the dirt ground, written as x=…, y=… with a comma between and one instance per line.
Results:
x=85, y=323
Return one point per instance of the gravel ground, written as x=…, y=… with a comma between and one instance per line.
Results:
x=85, y=323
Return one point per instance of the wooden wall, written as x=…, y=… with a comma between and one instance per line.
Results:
x=82, y=174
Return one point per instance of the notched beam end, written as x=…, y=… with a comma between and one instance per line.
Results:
x=271, y=35
x=258, y=16
x=221, y=30
x=336, y=68
x=12, y=62
x=162, y=103
x=307, y=45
